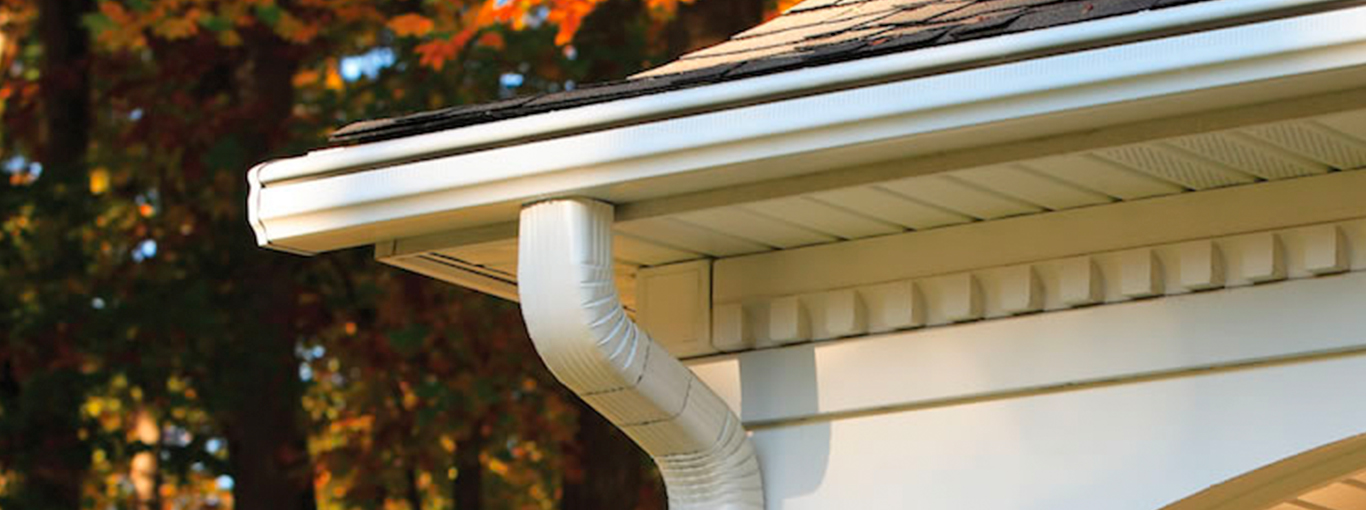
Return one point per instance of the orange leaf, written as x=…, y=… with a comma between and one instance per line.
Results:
x=569, y=16
x=115, y=13
x=296, y=30
x=507, y=12
x=306, y=77
x=99, y=180
x=568, y=27
x=357, y=12
x=333, y=80
x=463, y=38
x=176, y=28
x=436, y=53
x=415, y=25
x=492, y=39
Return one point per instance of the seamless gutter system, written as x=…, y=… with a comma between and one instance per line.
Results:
x=350, y=187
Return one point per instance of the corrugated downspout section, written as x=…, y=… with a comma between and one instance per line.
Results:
x=570, y=304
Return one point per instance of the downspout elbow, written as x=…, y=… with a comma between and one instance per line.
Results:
x=577, y=323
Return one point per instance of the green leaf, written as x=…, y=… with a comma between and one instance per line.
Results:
x=408, y=340
x=215, y=23
x=225, y=153
x=425, y=417
x=484, y=390
x=429, y=390
x=269, y=13
x=97, y=23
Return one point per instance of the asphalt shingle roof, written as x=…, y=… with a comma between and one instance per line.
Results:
x=813, y=33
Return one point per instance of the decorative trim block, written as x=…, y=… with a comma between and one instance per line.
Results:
x=1041, y=286
x=1140, y=274
x=1020, y=291
x=674, y=304
x=731, y=328
x=1080, y=282
x=1202, y=266
x=893, y=306
x=959, y=298
x=788, y=321
x=1263, y=258
x=1325, y=250
x=844, y=315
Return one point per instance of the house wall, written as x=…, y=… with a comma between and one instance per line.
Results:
x=1122, y=361
x=1128, y=406
x=1172, y=331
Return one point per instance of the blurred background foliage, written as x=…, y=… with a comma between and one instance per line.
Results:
x=151, y=356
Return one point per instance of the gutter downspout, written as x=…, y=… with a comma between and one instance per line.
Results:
x=570, y=304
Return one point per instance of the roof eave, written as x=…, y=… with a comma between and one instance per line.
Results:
x=336, y=198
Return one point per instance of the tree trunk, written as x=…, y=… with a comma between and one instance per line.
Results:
x=263, y=420
x=41, y=441
x=612, y=467
x=270, y=464
x=414, y=493
x=259, y=375
x=468, y=487
x=65, y=89
x=42, y=391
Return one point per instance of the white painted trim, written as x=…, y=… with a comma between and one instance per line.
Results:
x=1056, y=235
x=1045, y=285
x=334, y=211
x=674, y=304
x=415, y=255
x=996, y=359
x=1137, y=446
x=451, y=271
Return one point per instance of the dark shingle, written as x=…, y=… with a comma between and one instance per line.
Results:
x=446, y=118
x=815, y=32
x=1075, y=11
x=807, y=56
x=985, y=8
x=906, y=39
x=986, y=25
x=924, y=13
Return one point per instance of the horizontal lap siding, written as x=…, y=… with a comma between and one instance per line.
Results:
x=1137, y=446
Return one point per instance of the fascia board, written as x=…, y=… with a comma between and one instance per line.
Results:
x=315, y=214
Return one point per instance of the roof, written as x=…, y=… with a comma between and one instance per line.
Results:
x=813, y=33
x=990, y=101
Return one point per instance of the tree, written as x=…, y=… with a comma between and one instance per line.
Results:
x=134, y=298
x=41, y=382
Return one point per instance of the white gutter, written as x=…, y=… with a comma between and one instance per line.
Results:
x=309, y=204
x=834, y=76
x=570, y=305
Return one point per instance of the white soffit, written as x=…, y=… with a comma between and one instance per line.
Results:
x=761, y=239
x=805, y=136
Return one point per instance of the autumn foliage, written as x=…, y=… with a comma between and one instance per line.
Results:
x=152, y=357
